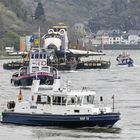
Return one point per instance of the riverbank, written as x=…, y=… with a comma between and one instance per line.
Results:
x=9, y=57
x=118, y=47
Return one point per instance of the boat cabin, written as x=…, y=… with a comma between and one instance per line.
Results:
x=62, y=99
x=65, y=102
x=38, y=63
x=38, y=60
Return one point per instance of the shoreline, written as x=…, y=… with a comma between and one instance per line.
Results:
x=2, y=57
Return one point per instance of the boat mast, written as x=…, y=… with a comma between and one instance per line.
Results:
x=65, y=43
x=39, y=37
x=113, y=103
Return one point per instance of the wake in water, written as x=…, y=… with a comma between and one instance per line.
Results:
x=87, y=132
x=135, y=65
x=69, y=71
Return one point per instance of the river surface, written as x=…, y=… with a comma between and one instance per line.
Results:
x=121, y=81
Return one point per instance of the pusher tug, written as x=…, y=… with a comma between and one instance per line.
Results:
x=37, y=68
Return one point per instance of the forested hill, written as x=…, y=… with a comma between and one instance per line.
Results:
x=98, y=14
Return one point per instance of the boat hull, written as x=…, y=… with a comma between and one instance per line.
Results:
x=102, y=120
x=15, y=65
x=63, y=67
x=26, y=81
x=126, y=64
x=94, y=65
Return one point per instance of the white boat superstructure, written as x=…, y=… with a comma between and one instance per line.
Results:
x=61, y=102
x=37, y=69
x=59, y=107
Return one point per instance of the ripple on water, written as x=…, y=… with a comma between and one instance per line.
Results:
x=124, y=82
x=78, y=133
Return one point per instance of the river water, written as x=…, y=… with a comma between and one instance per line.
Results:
x=121, y=81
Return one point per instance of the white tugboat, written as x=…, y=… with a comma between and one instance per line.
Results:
x=59, y=107
x=38, y=68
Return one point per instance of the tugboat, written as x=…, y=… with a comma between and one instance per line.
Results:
x=61, y=107
x=37, y=68
x=15, y=64
x=125, y=59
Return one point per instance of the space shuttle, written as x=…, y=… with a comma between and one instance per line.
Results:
x=57, y=39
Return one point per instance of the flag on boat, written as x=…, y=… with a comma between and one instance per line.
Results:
x=32, y=39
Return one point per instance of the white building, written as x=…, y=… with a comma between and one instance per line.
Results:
x=102, y=36
x=115, y=37
x=134, y=37
x=9, y=49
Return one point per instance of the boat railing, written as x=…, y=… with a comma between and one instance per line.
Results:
x=22, y=71
x=53, y=71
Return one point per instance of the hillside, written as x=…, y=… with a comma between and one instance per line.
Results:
x=8, y=19
x=99, y=14
x=122, y=14
x=69, y=11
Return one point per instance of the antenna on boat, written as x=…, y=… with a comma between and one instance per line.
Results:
x=113, y=103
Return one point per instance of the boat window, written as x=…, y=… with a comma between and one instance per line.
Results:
x=25, y=82
x=34, y=69
x=75, y=100
x=38, y=99
x=41, y=99
x=41, y=56
x=71, y=101
x=78, y=100
x=23, y=71
x=56, y=100
x=32, y=56
x=36, y=56
x=45, y=69
x=48, y=100
x=88, y=99
x=44, y=56
x=63, y=101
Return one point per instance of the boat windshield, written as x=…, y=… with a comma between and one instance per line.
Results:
x=45, y=69
x=43, y=99
x=88, y=99
x=74, y=100
x=58, y=100
x=34, y=69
